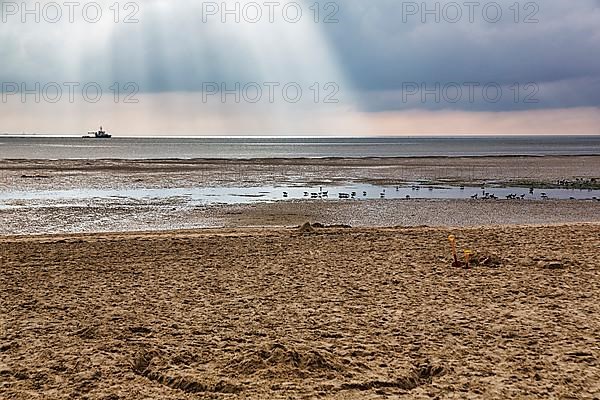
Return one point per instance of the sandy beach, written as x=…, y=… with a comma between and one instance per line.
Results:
x=285, y=313
x=230, y=301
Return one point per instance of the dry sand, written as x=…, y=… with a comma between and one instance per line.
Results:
x=335, y=313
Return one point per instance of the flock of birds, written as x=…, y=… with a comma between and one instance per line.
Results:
x=325, y=194
x=485, y=195
x=490, y=196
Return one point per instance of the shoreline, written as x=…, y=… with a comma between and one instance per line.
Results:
x=108, y=210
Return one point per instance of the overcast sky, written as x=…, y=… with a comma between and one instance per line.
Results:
x=533, y=69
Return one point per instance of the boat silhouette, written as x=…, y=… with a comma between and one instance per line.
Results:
x=100, y=134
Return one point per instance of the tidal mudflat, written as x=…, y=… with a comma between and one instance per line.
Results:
x=53, y=196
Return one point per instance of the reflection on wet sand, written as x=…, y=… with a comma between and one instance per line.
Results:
x=243, y=195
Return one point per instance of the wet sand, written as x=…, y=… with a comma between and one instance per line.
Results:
x=122, y=214
x=73, y=174
x=280, y=313
x=106, y=217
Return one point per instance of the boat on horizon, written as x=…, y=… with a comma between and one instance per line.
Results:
x=100, y=134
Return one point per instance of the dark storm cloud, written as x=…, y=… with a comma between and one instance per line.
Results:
x=385, y=51
x=376, y=44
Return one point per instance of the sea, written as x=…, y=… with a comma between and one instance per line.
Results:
x=65, y=147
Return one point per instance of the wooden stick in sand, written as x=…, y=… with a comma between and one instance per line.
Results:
x=456, y=263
